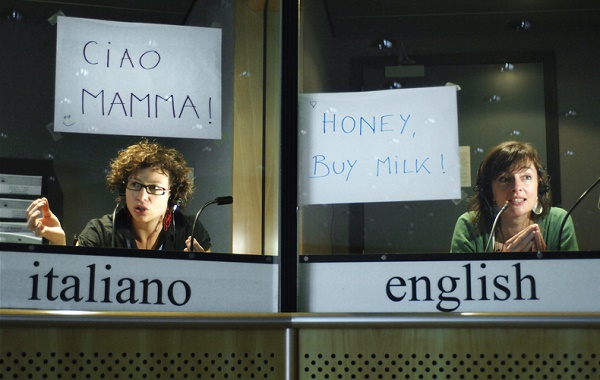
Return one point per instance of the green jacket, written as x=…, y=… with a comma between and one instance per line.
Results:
x=467, y=238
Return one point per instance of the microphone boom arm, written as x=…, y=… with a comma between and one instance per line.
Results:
x=219, y=201
x=562, y=225
x=494, y=226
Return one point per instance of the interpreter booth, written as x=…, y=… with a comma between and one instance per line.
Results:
x=332, y=146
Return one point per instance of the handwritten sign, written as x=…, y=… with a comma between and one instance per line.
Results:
x=137, y=79
x=381, y=146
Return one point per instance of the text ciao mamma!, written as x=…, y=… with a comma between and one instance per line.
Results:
x=103, y=102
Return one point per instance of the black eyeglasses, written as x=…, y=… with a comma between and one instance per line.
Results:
x=150, y=189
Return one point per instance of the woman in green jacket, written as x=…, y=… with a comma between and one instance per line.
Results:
x=512, y=197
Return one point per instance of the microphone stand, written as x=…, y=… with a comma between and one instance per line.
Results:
x=114, y=223
x=219, y=201
x=562, y=225
x=494, y=226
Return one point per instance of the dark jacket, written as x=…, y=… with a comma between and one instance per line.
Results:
x=99, y=233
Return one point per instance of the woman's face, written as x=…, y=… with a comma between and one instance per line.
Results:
x=147, y=195
x=519, y=188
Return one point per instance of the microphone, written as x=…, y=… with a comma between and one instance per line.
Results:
x=562, y=225
x=494, y=225
x=225, y=200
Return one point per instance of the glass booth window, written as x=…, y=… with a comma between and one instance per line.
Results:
x=212, y=103
x=516, y=78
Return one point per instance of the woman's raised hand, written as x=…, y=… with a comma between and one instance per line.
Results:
x=43, y=223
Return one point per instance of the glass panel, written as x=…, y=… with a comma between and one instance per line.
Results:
x=523, y=75
x=243, y=163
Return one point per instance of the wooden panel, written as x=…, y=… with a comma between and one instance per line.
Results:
x=247, y=131
x=125, y=353
x=284, y=346
x=258, y=5
x=273, y=137
x=250, y=94
x=446, y=353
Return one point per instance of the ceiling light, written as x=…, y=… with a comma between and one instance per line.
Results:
x=393, y=85
x=383, y=44
x=524, y=25
x=14, y=16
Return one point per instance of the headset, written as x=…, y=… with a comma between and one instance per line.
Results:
x=120, y=204
x=175, y=205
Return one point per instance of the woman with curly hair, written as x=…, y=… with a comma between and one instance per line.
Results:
x=512, y=183
x=154, y=181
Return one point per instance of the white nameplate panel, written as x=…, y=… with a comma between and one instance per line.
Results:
x=484, y=284
x=70, y=281
x=20, y=184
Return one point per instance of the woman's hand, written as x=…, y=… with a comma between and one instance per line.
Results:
x=197, y=246
x=527, y=240
x=43, y=223
x=540, y=243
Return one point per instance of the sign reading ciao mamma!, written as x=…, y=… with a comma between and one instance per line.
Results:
x=380, y=146
x=137, y=79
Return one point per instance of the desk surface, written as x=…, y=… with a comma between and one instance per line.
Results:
x=300, y=320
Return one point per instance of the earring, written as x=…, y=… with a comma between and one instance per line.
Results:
x=538, y=208
x=167, y=219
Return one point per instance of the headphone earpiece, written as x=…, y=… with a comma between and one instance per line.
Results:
x=478, y=184
x=480, y=189
x=544, y=179
x=177, y=204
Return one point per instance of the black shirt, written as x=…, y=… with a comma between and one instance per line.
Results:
x=99, y=233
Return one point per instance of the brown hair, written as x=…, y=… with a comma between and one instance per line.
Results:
x=153, y=155
x=504, y=159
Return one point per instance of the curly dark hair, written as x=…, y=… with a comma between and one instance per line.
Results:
x=153, y=155
x=501, y=160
